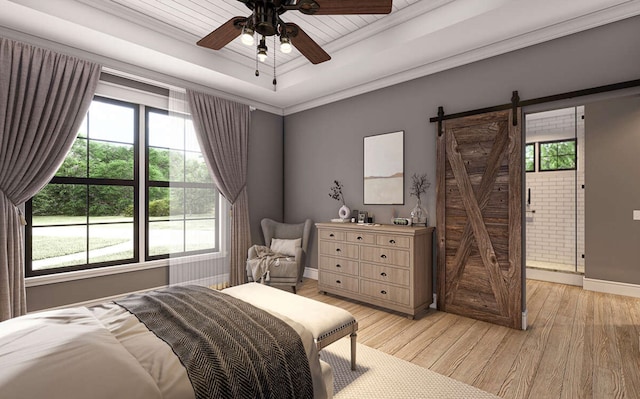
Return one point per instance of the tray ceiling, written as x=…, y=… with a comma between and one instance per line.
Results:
x=368, y=52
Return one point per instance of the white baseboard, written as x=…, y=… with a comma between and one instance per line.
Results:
x=611, y=287
x=555, y=277
x=310, y=273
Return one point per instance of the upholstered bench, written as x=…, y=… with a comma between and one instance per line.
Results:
x=327, y=323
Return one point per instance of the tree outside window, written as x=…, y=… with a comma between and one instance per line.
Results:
x=530, y=157
x=558, y=155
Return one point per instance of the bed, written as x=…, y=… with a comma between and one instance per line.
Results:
x=106, y=351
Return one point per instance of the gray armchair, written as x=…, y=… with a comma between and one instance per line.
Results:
x=287, y=273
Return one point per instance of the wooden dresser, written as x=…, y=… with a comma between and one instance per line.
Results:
x=388, y=266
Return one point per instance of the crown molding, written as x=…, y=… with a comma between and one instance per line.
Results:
x=589, y=21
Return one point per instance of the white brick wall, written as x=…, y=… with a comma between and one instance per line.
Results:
x=555, y=232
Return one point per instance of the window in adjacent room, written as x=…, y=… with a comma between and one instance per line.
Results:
x=557, y=155
x=530, y=157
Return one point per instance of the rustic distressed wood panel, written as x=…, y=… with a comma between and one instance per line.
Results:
x=479, y=218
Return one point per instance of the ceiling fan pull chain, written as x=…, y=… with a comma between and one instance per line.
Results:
x=257, y=71
x=275, y=82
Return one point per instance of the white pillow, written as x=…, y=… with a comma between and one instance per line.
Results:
x=285, y=247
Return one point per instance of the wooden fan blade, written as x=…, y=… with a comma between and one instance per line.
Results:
x=344, y=7
x=305, y=44
x=224, y=34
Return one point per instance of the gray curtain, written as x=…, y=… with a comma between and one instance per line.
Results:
x=44, y=97
x=222, y=128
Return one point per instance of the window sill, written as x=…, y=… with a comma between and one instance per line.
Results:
x=106, y=271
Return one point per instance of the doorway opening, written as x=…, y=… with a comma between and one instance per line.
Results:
x=554, y=190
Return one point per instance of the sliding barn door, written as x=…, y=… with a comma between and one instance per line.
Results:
x=479, y=218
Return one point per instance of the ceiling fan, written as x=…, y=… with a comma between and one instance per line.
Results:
x=265, y=20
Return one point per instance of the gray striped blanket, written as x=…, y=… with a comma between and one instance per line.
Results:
x=229, y=348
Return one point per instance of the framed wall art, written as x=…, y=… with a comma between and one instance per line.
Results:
x=384, y=169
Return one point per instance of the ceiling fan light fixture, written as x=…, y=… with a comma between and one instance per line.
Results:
x=247, y=36
x=265, y=21
x=262, y=50
x=285, y=45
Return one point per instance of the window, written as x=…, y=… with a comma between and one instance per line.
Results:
x=530, y=157
x=557, y=155
x=180, y=215
x=88, y=216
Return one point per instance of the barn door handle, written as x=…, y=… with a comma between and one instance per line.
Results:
x=383, y=292
x=392, y=241
x=383, y=256
x=383, y=274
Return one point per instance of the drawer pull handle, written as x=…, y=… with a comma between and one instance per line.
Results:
x=383, y=256
x=383, y=292
x=359, y=238
x=338, y=282
x=338, y=250
x=383, y=274
x=338, y=265
x=331, y=235
x=392, y=241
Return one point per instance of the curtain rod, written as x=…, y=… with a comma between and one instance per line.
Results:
x=556, y=97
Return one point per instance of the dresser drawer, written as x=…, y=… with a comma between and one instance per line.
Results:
x=340, y=281
x=340, y=249
x=387, y=256
x=385, y=274
x=388, y=240
x=338, y=265
x=385, y=291
x=361, y=238
x=331, y=235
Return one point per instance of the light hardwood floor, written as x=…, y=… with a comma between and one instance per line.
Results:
x=579, y=344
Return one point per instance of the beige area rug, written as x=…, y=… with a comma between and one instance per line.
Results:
x=381, y=376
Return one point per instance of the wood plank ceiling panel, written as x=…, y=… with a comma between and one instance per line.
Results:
x=197, y=18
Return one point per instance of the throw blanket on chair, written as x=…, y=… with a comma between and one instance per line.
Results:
x=229, y=348
x=260, y=265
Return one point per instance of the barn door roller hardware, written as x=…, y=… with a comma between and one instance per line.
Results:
x=515, y=102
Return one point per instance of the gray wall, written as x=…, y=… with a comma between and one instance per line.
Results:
x=265, y=185
x=265, y=200
x=612, y=192
x=325, y=143
x=59, y=294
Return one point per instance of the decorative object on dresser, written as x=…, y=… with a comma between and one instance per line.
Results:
x=336, y=193
x=362, y=217
x=384, y=265
x=384, y=169
x=419, y=185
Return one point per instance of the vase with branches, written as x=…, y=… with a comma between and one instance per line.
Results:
x=335, y=192
x=419, y=185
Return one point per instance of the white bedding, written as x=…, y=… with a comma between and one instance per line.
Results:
x=104, y=352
